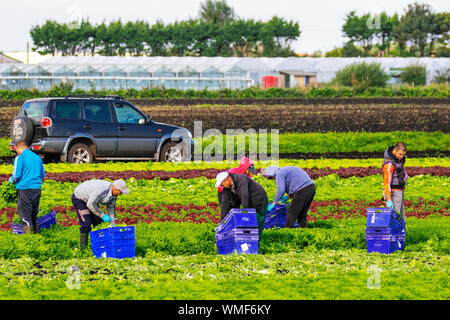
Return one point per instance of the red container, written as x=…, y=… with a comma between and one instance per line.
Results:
x=270, y=82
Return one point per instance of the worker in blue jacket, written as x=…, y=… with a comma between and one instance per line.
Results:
x=27, y=177
x=300, y=188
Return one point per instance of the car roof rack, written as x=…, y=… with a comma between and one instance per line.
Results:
x=92, y=96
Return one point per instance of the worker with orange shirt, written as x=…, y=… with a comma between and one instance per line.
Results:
x=394, y=177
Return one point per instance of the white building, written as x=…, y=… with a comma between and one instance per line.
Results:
x=104, y=72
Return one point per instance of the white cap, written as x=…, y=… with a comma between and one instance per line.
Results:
x=121, y=186
x=220, y=177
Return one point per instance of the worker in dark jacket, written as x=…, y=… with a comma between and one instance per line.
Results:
x=246, y=166
x=300, y=188
x=239, y=189
x=27, y=177
x=394, y=177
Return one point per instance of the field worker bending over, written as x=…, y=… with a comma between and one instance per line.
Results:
x=86, y=199
x=246, y=167
x=239, y=189
x=298, y=185
x=27, y=177
x=394, y=177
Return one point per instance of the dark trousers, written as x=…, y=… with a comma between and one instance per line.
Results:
x=86, y=217
x=28, y=206
x=301, y=200
x=219, y=194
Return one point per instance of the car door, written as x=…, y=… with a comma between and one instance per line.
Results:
x=65, y=115
x=98, y=122
x=137, y=136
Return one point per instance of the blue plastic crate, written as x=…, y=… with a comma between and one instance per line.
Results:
x=17, y=228
x=239, y=246
x=47, y=221
x=112, y=250
x=44, y=222
x=114, y=242
x=238, y=218
x=383, y=217
x=276, y=218
x=385, y=232
x=238, y=233
x=385, y=244
x=113, y=233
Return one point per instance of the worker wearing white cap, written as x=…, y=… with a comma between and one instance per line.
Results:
x=239, y=189
x=86, y=199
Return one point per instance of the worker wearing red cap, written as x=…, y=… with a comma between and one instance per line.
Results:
x=246, y=166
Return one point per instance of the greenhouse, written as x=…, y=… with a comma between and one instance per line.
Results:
x=104, y=72
x=11, y=76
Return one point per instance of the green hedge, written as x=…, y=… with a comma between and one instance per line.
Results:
x=162, y=93
x=169, y=238
x=318, y=142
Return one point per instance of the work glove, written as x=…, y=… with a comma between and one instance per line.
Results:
x=406, y=177
x=389, y=204
x=106, y=218
x=284, y=199
x=10, y=180
x=270, y=207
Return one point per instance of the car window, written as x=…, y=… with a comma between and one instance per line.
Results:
x=97, y=111
x=33, y=109
x=67, y=110
x=127, y=114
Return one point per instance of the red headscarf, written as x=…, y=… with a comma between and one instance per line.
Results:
x=244, y=164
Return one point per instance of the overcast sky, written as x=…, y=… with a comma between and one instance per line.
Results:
x=320, y=20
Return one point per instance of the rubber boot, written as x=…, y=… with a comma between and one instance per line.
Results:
x=27, y=230
x=84, y=237
x=35, y=224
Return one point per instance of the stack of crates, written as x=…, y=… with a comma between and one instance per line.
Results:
x=44, y=222
x=276, y=218
x=114, y=242
x=385, y=231
x=238, y=232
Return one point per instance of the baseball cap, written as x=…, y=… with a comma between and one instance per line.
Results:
x=252, y=169
x=220, y=177
x=121, y=186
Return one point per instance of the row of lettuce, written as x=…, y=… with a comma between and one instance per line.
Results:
x=216, y=147
x=192, y=165
x=201, y=191
x=184, y=238
x=178, y=216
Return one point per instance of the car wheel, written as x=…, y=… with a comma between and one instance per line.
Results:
x=80, y=153
x=171, y=152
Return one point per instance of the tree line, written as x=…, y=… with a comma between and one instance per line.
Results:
x=419, y=32
x=216, y=32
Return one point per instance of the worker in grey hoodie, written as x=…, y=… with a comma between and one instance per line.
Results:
x=86, y=199
x=299, y=187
